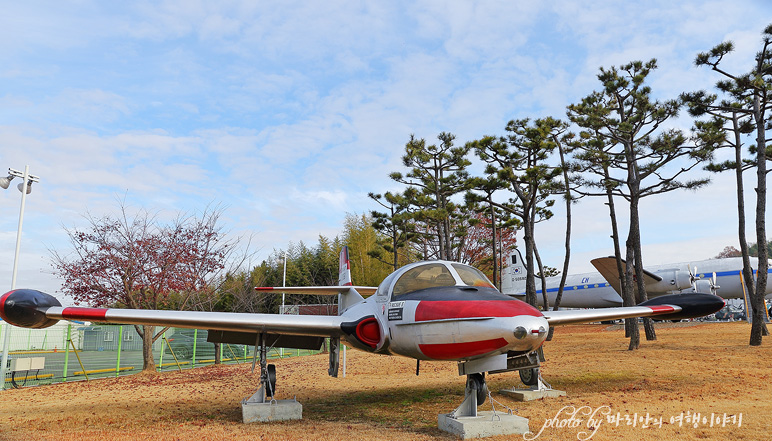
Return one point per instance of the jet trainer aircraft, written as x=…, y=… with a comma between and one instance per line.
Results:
x=432, y=310
x=722, y=277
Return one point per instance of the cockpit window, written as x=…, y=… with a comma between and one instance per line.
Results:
x=422, y=277
x=472, y=276
x=383, y=288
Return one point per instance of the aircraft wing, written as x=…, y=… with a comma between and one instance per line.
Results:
x=607, y=267
x=569, y=317
x=34, y=309
x=314, y=325
x=319, y=290
x=670, y=307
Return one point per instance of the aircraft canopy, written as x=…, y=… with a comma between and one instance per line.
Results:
x=439, y=274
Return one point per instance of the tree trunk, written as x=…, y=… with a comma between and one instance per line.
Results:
x=633, y=184
x=530, y=284
x=495, y=253
x=640, y=282
x=148, y=363
x=567, y=257
x=629, y=323
x=629, y=299
x=747, y=272
x=543, y=279
x=758, y=327
x=217, y=353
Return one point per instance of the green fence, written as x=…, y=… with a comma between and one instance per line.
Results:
x=73, y=352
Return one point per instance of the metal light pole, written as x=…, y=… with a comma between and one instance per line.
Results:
x=25, y=187
x=283, y=285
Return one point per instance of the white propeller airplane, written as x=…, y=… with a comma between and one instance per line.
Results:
x=601, y=289
x=432, y=310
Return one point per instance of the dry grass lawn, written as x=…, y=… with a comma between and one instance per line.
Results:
x=705, y=368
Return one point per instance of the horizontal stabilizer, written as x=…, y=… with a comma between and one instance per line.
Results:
x=607, y=267
x=364, y=291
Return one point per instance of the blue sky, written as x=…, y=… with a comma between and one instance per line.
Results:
x=288, y=113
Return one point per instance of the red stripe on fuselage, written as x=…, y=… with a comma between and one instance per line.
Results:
x=661, y=308
x=454, y=351
x=452, y=309
x=76, y=313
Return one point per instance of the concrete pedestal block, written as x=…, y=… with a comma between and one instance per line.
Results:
x=280, y=410
x=530, y=395
x=483, y=425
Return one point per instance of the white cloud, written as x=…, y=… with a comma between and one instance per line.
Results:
x=290, y=113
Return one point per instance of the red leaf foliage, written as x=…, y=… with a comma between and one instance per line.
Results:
x=138, y=261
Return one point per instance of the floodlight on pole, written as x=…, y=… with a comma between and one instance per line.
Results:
x=4, y=183
x=21, y=187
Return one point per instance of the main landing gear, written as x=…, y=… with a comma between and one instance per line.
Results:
x=267, y=373
x=475, y=394
x=263, y=405
x=529, y=376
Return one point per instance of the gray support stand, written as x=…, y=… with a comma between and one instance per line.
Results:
x=255, y=411
x=536, y=392
x=466, y=422
x=258, y=408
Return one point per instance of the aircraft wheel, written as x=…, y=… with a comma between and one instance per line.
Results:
x=477, y=382
x=270, y=386
x=529, y=377
x=182, y=353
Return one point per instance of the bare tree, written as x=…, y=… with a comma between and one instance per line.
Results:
x=136, y=261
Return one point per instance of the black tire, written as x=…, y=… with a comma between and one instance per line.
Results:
x=477, y=382
x=183, y=353
x=270, y=387
x=529, y=377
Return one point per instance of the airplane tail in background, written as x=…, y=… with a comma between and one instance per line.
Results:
x=344, y=268
x=513, y=275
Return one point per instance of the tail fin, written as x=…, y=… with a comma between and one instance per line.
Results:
x=349, y=297
x=513, y=276
x=344, y=268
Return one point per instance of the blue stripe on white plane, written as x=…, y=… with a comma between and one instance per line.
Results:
x=661, y=280
x=602, y=285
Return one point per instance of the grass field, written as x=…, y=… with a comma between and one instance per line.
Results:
x=692, y=368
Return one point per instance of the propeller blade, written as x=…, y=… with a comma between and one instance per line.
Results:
x=692, y=274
